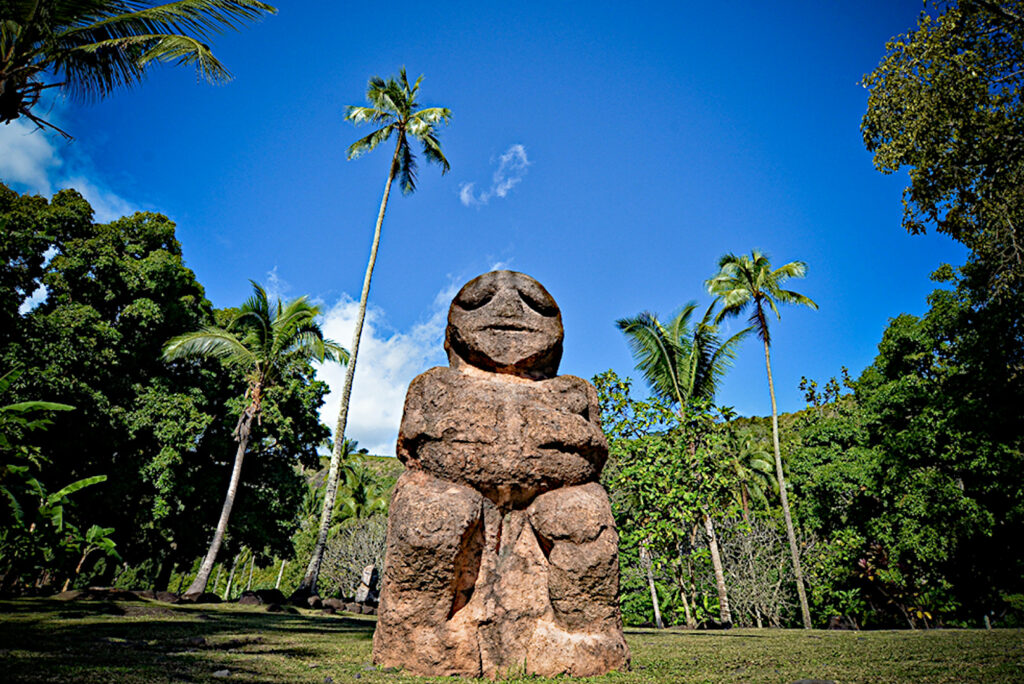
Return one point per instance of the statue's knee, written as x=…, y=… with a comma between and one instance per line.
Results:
x=573, y=514
x=428, y=521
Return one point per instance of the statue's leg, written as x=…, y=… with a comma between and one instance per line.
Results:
x=575, y=529
x=434, y=544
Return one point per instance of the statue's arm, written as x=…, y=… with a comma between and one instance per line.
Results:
x=419, y=414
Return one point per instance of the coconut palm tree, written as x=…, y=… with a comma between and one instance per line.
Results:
x=681, y=363
x=393, y=107
x=89, y=48
x=744, y=282
x=264, y=341
x=754, y=478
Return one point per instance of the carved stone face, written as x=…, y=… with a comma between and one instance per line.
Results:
x=505, y=322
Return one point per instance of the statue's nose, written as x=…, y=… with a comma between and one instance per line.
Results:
x=508, y=305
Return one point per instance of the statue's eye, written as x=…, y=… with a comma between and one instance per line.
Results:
x=474, y=298
x=539, y=302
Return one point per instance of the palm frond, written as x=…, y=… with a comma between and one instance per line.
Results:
x=368, y=143
x=750, y=280
x=361, y=115
x=430, y=117
x=794, y=269
x=208, y=342
x=181, y=50
x=335, y=352
x=432, y=151
x=790, y=297
x=406, y=169
x=200, y=17
x=655, y=353
x=386, y=97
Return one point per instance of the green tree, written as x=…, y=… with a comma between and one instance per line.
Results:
x=89, y=48
x=744, y=282
x=662, y=475
x=683, y=363
x=943, y=408
x=393, y=107
x=264, y=340
x=946, y=102
x=112, y=294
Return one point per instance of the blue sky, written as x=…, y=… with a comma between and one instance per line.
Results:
x=615, y=153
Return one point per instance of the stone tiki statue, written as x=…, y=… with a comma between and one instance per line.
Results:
x=502, y=554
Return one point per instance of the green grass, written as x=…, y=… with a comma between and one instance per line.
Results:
x=47, y=640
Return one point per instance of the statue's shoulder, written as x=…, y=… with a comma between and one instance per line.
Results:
x=438, y=376
x=568, y=383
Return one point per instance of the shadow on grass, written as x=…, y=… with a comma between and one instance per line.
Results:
x=46, y=639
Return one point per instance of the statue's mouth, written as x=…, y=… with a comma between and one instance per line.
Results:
x=509, y=327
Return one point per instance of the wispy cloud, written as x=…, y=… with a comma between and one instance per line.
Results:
x=275, y=286
x=37, y=161
x=512, y=166
x=388, y=361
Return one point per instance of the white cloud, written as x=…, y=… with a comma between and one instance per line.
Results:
x=106, y=204
x=512, y=166
x=36, y=161
x=388, y=361
x=28, y=157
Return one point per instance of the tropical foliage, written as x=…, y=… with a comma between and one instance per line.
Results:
x=35, y=538
x=683, y=364
x=85, y=310
x=945, y=102
x=265, y=341
x=90, y=48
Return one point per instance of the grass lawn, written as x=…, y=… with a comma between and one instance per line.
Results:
x=47, y=640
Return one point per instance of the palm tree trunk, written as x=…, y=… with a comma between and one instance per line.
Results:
x=198, y=585
x=308, y=584
x=691, y=623
x=280, y=573
x=724, y=614
x=645, y=559
x=805, y=610
x=231, y=578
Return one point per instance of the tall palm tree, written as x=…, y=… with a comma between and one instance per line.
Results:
x=394, y=108
x=743, y=282
x=264, y=341
x=680, y=363
x=89, y=48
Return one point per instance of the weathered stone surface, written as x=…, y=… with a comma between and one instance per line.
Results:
x=367, y=591
x=335, y=603
x=249, y=598
x=204, y=597
x=505, y=322
x=502, y=553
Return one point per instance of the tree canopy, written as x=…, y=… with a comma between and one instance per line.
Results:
x=162, y=434
x=946, y=103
